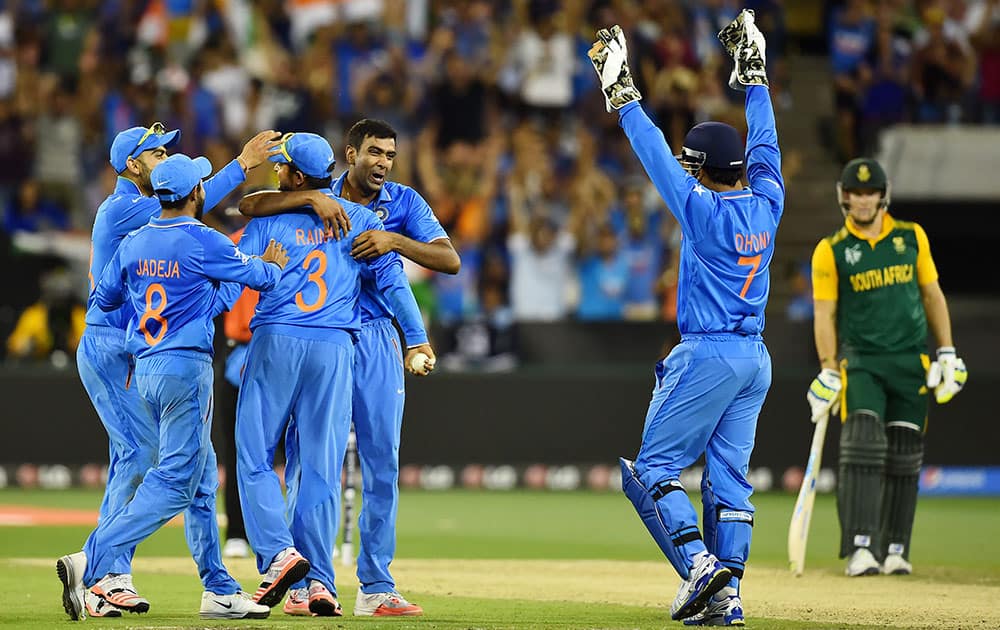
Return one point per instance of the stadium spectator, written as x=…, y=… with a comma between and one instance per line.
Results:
x=943, y=68
x=51, y=327
x=27, y=212
x=851, y=36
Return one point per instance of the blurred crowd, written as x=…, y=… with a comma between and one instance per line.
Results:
x=502, y=127
x=912, y=61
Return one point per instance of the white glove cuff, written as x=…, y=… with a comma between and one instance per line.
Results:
x=946, y=350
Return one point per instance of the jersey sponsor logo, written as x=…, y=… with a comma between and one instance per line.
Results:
x=698, y=189
x=157, y=268
x=899, y=244
x=852, y=254
x=752, y=243
x=243, y=257
x=884, y=277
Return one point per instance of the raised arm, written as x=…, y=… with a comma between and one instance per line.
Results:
x=685, y=198
x=255, y=152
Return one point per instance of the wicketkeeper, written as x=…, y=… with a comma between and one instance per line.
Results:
x=876, y=291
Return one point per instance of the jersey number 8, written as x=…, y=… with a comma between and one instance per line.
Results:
x=154, y=313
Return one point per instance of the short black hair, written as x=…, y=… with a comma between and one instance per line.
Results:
x=724, y=176
x=312, y=182
x=177, y=204
x=369, y=127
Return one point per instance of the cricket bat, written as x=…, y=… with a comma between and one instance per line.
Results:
x=798, y=530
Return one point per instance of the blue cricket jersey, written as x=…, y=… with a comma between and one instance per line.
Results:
x=728, y=238
x=402, y=210
x=322, y=283
x=169, y=273
x=126, y=209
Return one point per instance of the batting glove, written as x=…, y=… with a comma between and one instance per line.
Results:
x=609, y=54
x=824, y=394
x=947, y=375
x=745, y=43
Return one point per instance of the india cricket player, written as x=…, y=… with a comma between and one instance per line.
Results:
x=710, y=388
x=300, y=371
x=410, y=229
x=102, y=360
x=176, y=274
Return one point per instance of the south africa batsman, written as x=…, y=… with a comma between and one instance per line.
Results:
x=876, y=291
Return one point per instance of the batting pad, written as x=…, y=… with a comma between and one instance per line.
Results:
x=863, y=447
x=668, y=515
x=899, y=495
x=727, y=531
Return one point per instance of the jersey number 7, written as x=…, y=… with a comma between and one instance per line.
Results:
x=754, y=262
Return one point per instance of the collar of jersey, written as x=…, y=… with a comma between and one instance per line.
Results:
x=743, y=192
x=383, y=195
x=887, y=225
x=174, y=221
x=125, y=185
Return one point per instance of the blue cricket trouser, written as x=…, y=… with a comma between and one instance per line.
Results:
x=103, y=365
x=707, y=398
x=378, y=418
x=301, y=376
x=177, y=387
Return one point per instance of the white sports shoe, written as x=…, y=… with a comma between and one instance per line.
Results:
x=390, y=604
x=707, y=577
x=862, y=562
x=236, y=606
x=97, y=606
x=119, y=591
x=70, y=571
x=724, y=609
x=896, y=564
x=236, y=548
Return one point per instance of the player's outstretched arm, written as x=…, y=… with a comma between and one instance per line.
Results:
x=438, y=255
x=267, y=203
x=747, y=46
x=226, y=263
x=255, y=152
x=610, y=59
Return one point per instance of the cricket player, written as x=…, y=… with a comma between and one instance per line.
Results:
x=102, y=360
x=710, y=388
x=299, y=376
x=875, y=291
x=177, y=274
x=411, y=230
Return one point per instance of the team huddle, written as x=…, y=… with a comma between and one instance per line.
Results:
x=325, y=354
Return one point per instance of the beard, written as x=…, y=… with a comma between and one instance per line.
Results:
x=199, y=208
x=865, y=222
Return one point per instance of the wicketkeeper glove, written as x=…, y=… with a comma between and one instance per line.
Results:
x=947, y=375
x=824, y=394
x=746, y=45
x=609, y=54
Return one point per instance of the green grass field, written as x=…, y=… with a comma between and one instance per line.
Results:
x=552, y=560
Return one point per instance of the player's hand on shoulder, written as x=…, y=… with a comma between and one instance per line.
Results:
x=420, y=360
x=372, y=244
x=824, y=394
x=262, y=146
x=275, y=253
x=947, y=375
x=609, y=55
x=332, y=213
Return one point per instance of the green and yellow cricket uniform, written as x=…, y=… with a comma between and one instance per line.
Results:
x=881, y=323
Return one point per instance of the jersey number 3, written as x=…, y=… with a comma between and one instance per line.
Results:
x=154, y=313
x=753, y=262
x=316, y=277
